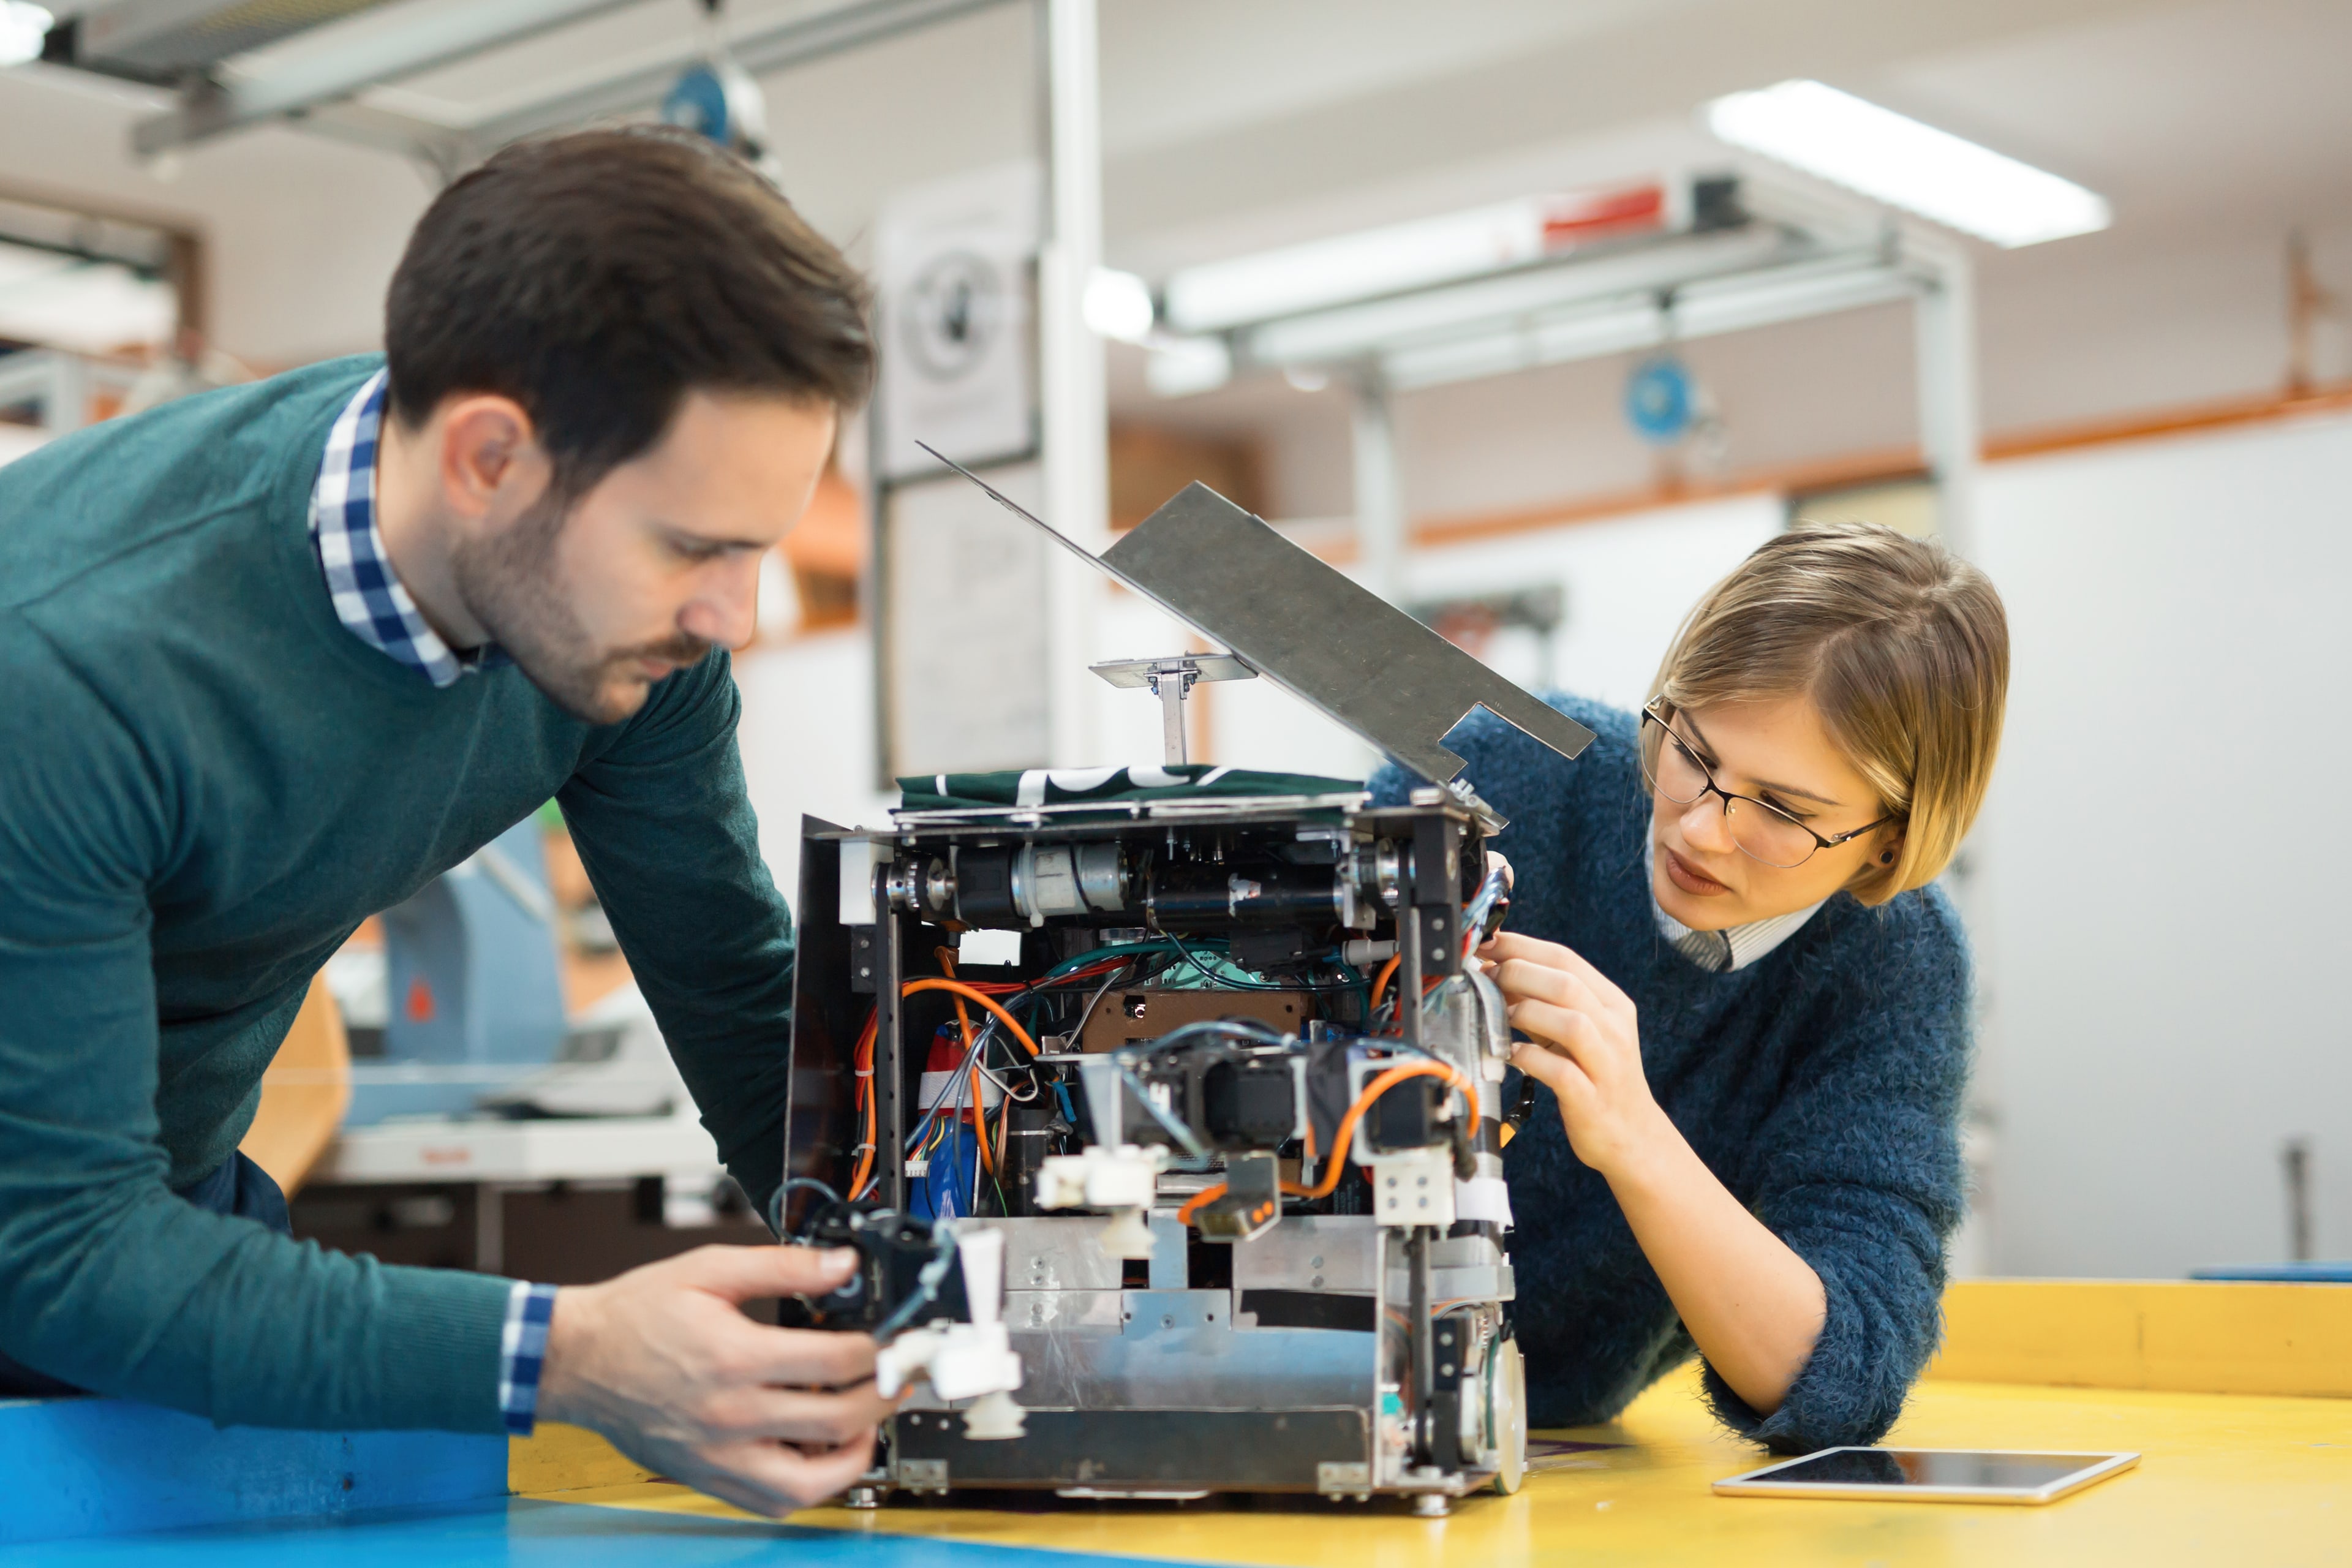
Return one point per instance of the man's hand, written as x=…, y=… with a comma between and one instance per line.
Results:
x=1587, y=1050
x=663, y=1362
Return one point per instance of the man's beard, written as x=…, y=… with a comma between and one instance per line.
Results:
x=511, y=585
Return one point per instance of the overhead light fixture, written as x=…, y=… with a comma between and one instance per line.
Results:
x=24, y=29
x=1218, y=295
x=1897, y=160
x=1184, y=367
x=1118, y=305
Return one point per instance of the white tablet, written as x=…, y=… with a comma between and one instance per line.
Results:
x=1928, y=1475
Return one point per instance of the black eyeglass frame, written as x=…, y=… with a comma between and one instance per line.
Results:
x=1650, y=715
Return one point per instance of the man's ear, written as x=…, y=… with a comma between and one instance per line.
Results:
x=491, y=466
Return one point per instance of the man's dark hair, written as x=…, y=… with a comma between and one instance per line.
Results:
x=597, y=278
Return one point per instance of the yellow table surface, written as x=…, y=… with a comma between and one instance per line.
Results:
x=2237, y=1480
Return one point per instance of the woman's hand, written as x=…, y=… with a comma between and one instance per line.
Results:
x=1754, y=1306
x=1587, y=1050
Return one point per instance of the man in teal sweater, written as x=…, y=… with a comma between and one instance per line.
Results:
x=278, y=656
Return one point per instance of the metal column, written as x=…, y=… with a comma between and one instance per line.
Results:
x=1950, y=435
x=1075, y=416
x=1380, y=490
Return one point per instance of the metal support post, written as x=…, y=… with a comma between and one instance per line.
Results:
x=889, y=1117
x=1950, y=433
x=1171, y=687
x=1418, y=1328
x=1074, y=410
x=1380, y=491
x=1408, y=974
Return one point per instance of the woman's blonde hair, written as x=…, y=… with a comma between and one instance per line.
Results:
x=1903, y=647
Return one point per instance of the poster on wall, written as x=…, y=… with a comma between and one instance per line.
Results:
x=964, y=653
x=955, y=276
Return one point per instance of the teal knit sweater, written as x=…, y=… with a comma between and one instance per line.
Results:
x=205, y=783
x=1822, y=1084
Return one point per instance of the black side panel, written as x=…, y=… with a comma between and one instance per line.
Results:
x=821, y=1102
x=1311, y=1309
x=1151, y=1450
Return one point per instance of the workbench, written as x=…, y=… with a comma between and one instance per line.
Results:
x=2239, y=1397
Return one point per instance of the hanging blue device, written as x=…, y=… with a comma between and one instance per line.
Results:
x=698, y=102
x=1661, y=400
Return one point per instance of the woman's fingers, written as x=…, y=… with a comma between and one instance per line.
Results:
x=1511, y=946
x=1567, y=1027
x=1522, y=980
x=1556, y=1073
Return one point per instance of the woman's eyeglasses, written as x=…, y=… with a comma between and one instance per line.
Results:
x=1762, y=830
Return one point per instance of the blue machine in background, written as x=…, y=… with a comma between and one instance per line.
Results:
x=473, y=994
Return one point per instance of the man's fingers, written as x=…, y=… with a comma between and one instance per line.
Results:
x=797, y=1416
x=747, y=1273
x=806, y=1358
x=787, y=1479
x=1496, y=862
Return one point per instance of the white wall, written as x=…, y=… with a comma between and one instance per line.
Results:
x=2165, y=856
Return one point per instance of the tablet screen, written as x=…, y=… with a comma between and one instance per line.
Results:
x=1899, y=1467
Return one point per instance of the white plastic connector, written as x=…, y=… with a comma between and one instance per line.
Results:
x=1412, y=1188
x=1128, y=1234
x=1126, y=1177
x=1123, y=1180
x=964, y=1361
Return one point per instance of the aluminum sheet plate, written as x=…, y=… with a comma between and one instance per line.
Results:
x=1308, y=628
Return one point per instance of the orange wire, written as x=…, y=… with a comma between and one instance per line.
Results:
x=958, y=986
x=1381, y=980
x=960, y=989
x=863, y=1059
x=979, y=1111
x=1330, y=1183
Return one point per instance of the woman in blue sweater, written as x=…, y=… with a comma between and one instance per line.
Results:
x=1745, y=1006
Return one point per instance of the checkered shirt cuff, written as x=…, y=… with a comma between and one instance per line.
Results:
x=523, y=1348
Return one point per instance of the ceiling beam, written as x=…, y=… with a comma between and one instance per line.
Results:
x=212, y=108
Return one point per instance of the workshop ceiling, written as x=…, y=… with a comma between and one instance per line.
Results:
x=1213, y=109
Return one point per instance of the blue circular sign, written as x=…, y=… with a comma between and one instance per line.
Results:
x=1660, y=399
x=698, y=103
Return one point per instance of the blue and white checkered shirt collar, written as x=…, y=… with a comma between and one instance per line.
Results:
x=368, y=597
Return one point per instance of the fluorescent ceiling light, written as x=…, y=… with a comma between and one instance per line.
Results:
x=1118, y=305
x=1900, y=161
x=23, y=28
x=1702, y=309
x=1220, y=294
x=1180, y=367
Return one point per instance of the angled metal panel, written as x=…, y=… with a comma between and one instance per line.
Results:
x=1310, y=629
x=1342, y=649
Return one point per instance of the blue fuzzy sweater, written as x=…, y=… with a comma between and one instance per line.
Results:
x=1822, y=1084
